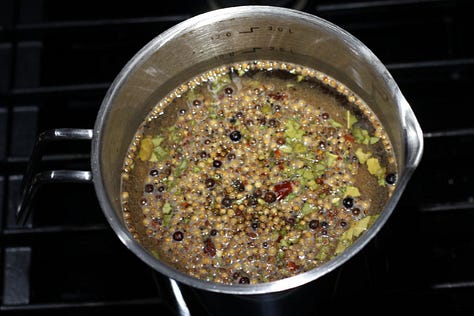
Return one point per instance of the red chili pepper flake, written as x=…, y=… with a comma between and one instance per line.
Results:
x=283, y=189
x=209, y=247
x=281, y=165
x=292, y=266
x=349, y=138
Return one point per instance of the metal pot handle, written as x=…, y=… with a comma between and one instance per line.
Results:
x=34, y=179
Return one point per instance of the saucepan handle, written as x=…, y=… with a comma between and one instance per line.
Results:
x=33, y=178
x=414, y=138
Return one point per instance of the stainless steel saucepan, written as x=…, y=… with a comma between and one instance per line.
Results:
x=209, y=40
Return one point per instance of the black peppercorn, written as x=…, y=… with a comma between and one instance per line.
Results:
x=227, y=202
x=210, y=183
x=178, y=236
x=149, y=188
x=313, y=224
x=235, y=136
x=244, y=280
x=269, y=197
x=391, y=178
x=348, y=202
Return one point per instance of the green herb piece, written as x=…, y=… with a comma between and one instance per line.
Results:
x=146, y=149
x=362, y=136
x=323, y=253
x=351, y=191
x=342, y=245
x=334, y=123
x=212, y=113
x=186, y=220
x=307, y=208
x=267, y=108
x=180, y=168
x=217, y=85
x=330, y=159
x=166, y=208
x=300, y=78
x=157, y=140
x=293, y=130
x=312, y=185
x=193, y=95
x=280, y=254
x=167, y=219
x=286, y=149
x=155, y=254
x=361, y=156
x=351, y=119
x=299, y=148
x=360, y=226
x=373, y=165
x=307, y=174
x=173, y=134
x=319, y=169
x=290, y=196
x=159, y=154
x=356, y=229
x=300, y=226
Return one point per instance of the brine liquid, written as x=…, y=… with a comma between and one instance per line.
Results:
x=256, y=171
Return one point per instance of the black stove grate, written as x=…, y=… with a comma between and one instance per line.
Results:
x=57, y=59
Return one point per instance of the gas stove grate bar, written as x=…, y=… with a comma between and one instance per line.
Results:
x=58, y=306
x=450, y=133
x=354, y=5
x=453, y=285
x=431, y=64
x=100, y=23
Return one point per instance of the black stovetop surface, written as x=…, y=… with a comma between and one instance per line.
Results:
x=57, y=59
